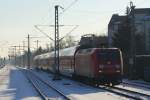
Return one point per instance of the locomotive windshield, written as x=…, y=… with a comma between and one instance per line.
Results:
x=109, y=55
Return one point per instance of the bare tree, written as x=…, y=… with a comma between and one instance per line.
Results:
x=70, y=41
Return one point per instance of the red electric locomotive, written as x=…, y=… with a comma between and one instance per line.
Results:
x=97, y=65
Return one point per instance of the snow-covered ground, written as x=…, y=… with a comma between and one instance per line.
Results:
x=15, y=86
x=135, y=88
x=138, y=82
x=78, y=91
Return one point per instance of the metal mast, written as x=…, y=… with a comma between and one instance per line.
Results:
x=23, y=57
x=28, y=51
x=133, y=46
x=56, y=66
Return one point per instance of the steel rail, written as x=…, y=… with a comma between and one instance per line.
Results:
x=51, y=86
x=137, y=84
x=119, y=93
x=37, y=89
x=108, y=89
x=116, y=90
x=44, y=97
x=132, y=91
x=130, y=94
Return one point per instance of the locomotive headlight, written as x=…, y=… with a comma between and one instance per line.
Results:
x=100, y=71
x=117, y=66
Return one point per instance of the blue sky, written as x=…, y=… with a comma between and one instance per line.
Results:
x=18, y=17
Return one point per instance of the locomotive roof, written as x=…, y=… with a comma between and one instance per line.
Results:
x=103, y=48
x=63, y=52
x=68, y=51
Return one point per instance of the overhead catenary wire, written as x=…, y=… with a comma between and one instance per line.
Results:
x=105, y=12
x=80, y=11
x=69, y=6
x=75, y=27
x=65, y=9
x=69, y=32
x=43, y=32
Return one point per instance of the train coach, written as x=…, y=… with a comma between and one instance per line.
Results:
x=96, y=65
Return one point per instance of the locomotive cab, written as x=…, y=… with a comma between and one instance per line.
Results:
x=108, y=65
x=100, y=65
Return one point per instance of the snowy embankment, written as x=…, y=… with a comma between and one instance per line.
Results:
x=15, y=86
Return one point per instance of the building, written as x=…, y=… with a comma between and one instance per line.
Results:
x=113, y=27
x=141, y=23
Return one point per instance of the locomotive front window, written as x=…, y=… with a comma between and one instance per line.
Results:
x=84, y=51
x=109, y=55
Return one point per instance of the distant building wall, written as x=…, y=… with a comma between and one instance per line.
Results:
x=142, y=27
x=113, y=27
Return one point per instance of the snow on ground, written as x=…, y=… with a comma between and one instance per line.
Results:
x=135, y=88
x=136, y=85
x=15, y=86
x=78, y=91
x=141, y=82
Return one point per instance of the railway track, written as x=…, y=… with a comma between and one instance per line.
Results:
x=119, y=91
x=46, y=90
x=126, y=93
x=143, y=83
x=122, y=92
x=138, y=84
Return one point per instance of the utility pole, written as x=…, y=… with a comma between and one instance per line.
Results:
x=19, y=53
x=19, y=56
x=23, y=56
x=28, y=51
x=56, y=66
x=37, y=44
x=15, y=53
x=15, y=56
x=133, y=47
